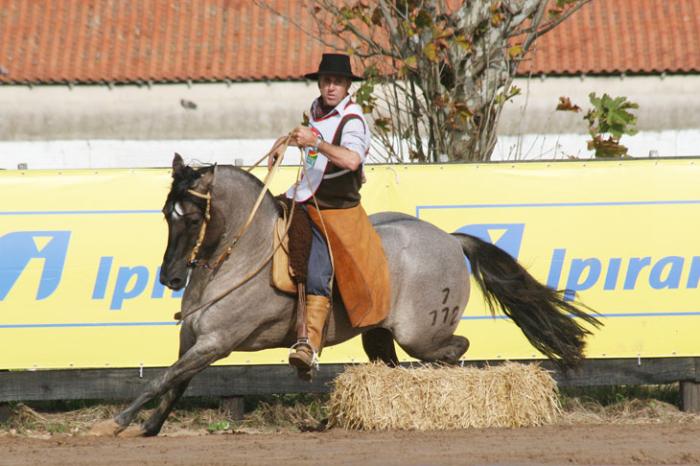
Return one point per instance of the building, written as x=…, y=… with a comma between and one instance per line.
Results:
x=110, y=83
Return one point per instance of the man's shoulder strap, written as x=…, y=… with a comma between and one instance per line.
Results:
x=339, y=130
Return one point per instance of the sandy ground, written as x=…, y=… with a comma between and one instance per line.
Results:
x=586, y=444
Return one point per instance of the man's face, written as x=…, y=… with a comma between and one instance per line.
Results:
x=333, y=88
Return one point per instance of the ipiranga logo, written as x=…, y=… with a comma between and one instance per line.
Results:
x=576, y=274
x=507, y=236
x=18, y=248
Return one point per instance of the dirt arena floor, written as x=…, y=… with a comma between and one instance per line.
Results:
x=664, y=443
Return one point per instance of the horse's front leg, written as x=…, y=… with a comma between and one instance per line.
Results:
x=154, y=423
x=204, y=352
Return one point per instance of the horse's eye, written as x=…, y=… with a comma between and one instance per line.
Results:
x=177, y=211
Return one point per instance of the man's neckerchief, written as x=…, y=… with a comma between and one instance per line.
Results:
x=320, y=110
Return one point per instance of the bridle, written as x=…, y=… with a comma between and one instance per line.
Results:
x=193, y=261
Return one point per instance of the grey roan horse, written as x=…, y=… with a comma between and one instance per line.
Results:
x=430, y=288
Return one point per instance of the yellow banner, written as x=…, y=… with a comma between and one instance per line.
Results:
x=80, y=252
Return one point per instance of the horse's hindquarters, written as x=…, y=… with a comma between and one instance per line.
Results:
x=430, y=286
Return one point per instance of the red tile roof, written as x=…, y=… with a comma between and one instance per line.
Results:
x=614, y=36
x=215, y=40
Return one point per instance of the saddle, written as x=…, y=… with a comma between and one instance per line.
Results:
x=290, y=262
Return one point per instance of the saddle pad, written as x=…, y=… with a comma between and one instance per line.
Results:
x=361, y=269
x=281, y=276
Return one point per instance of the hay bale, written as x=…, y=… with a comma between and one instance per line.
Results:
x=376, y=397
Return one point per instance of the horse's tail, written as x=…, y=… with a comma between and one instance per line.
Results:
x=541, y=312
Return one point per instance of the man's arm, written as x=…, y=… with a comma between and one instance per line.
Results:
x=339, y=155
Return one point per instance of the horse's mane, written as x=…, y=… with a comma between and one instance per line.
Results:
x=183, y=181
x=188, y=175
x=256, y=181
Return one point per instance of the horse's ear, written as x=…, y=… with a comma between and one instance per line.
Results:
x=178, y=165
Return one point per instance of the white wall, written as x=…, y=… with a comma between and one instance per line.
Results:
x=132, y=126
x=115, y=153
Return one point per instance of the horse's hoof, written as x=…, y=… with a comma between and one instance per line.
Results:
x=133, y=432
x=305, y=374
x=108, y=428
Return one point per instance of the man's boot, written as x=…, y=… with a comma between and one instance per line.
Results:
x=317, y=308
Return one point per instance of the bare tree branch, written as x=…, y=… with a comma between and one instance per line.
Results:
x=535, y=22
x=444, y=73
x=316, y=37
x=554, y=23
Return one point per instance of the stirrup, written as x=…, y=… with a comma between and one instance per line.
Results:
x=300, y=342
x=314, y=355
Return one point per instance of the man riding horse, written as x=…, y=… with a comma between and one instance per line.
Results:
x=335, y=145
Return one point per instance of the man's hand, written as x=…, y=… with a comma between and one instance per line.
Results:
x=340, y=156
x=303, y=136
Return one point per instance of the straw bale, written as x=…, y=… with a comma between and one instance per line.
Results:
x=376, y=397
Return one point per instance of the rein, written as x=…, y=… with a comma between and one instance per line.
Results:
x=282, y=144
x=193, y=261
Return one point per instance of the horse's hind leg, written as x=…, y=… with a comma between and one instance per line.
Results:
x=451, y=351
x=448, y=353
x=154, y=423
x=378, y=344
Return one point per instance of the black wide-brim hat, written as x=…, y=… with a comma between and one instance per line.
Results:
x=337, y=64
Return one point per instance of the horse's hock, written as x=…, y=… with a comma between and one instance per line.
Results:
x=376, y=397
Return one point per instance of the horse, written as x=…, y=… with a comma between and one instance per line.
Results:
x=427, y=270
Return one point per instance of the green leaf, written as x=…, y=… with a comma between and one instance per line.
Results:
x=377, y=16
x=515, y=51
x=496, y=14
x=430, y=51
x=346, y=13
x=218, y=426
x=408, y=28
x=371, y=72
x=423, y=19
x=383, y=124
x=462, y=111
x=462, y=41
x=364, y=96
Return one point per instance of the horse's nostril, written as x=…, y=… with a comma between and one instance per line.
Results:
x=175, y=283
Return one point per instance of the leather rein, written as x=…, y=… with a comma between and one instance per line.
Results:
x=194, y=261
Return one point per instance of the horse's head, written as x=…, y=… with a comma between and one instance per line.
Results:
x=186, y=210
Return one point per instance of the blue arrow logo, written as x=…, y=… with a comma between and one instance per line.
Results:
x=507, y=236
x=20, y=247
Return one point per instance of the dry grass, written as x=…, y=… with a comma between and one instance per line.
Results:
x=405, y=399
x=278, y=413
x=648, y=411
x=27, y=421
x=375, y=397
